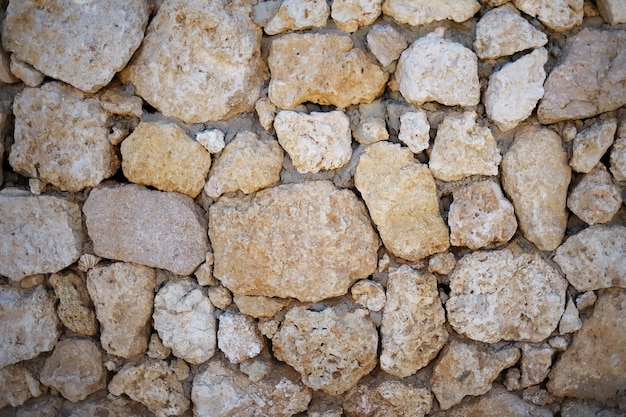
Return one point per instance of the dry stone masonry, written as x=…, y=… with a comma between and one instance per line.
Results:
x=312, y=208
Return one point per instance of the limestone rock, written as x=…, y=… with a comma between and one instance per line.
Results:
x=498, y=295
x=559, y=15
x=535, y=175
x=200, y=60
x=238, y=337
x=266, y=111
x=414, y=130
x=134, y=224
x=370, y=130
x=156, y=350
x=204, y=273
x=463, y=148
x=38, y=234
x=412, y=328
x=83, y=46
x=211, y=139
x=581, y=408
x=18, y=385
x=421, y=13
x=61, y=137
x=585, y=300
x=6, y=75
x=502, y=32
x=591, y=144
x=75, y=309
x=331, y=349
x=386, y=43
x=128, y=288
x=220, y=297
x=257, y=233
x=468, y=368
x=409, y=222
x=163, y=156
x=388, y=398
x=27, y=73
x=589, y=79
x=480, y=215
x=323, y=68
x=534, y=366
x=595, y=199
x=369, y=294
x=515, y=89
x=612, y=11
x=570, y=321
x=101, y=406
x=259, y=306
x=618, y=158
x=593, y=367
x=183, y=316
x=350, y=14
x=435, y=69
x=594, y=258
x=298, y=15
x=442, y=263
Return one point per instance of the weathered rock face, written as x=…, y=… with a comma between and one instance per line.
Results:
x=369, y=294
x=595, y=199
x=613, y=11
x=350, y=14
x=386, y=43
x=502, y=296
x=99, y=405
x=591, y=144
x=298, y=15
x=559, y=15
x=534, y=367
x=588, y=81
x=18, y=385
x=535, y=175
x=618, y=158
x=25, y=72
x=419, y=13
x=259, y=306
x=388, y=398
x=332, y=350
x=401, y=196
x=322, y=68
x=414, y=131
x=582, y=408
x=75, y=309
x=83, y=46
x=238, y=337
x=193, y=47
x=134, y=224
x=338, y=245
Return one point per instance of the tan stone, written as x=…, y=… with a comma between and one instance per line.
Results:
x=386, y=43
x=349, y=15
x=421, y=13
x=591, y=144
x=442, y=263
x=6, y=76
x=238, y=337
x=220, y=297
x=371, y=130
x=75, y=309
x=618, y=154
x=258, y=306
x=101, y=406
x=612, y=11
x=369, y=294
x=595, y=199
x=266, y=112
x=204, y=273
x=580, y=408
x=156, y=350
x=18, y=385
x=25, y=72
x=414, y=131
x=570, y=321
x=559, y=15
x=298, y=15
x=534, y=366
x=585, y=300
x=387, y=398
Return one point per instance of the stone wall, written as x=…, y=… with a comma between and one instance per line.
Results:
x=313, y=208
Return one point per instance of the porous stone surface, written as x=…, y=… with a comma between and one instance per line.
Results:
x=220, y=296
x=75, y=309
x=369, y=294
x=612, y=11
x=387, y=173
x=558, y=15
x=387, y=398
x=535, y=176
x=595, y=199
x=298, y=15
x=83, y=46
x=211, y=139
x=442, y=263
x=386, y=43
x=18, y=385
x=349, y=15
x=258, y=306
x=25, y=72
x=331, y=349
x=501, y=295
x=414, y=131
x=618, y=157
x=534, y=366
x=591, y=144
x=238, y=337
x=420, y=13
x=159, y=229
x=340, y=243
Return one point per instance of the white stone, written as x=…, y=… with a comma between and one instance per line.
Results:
x=570, y=322
x=369, y=294
x=350, y=14
x=25, y=72
x=238, y=337
x=211, y=139
x=414, y=131
x=612, y=11
x=595, y=199
x=386, y=43
x=18, y=385
x=418, y=13
x=371, y=130
x=156, y=350
x=559, y=15
x=298, y=15
x=591, y=144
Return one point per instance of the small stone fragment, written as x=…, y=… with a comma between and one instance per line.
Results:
x=350, y=14
x=18, y=385
x=570, y=322
x=156, y=350
x=591, y=144
x=559, y=15
x=32, y=281
x=388, y=398
x=211, y=139
x=595, y=199
x=386, y=43
x=535, y=364
x=220, y=297
x=422, y=13
x=87, y=261
x=238, y=337
x=258, y=306
x=256, y=368
x=369, y=294
x=298, y=15
x=618, y=157
x=612, y=11
x=371, y=130
x=586, y=300
x=414, y=131
x=266, y=112
x=204, y=273
x=6, y=76
x=118, y=100
x=75, y=309
x=27, y=73
x=442, y=263
x=268, y=327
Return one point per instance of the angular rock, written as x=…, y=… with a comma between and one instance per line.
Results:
x=331, y=350
x=421, y=13
x=259, y=306
x=371, y=130
x=204, y=273
x=101, y=406
x=25, y=72
x=442, y=263
x=323, y=68
x=535, y=175
x=238, y=337
x=409, y=222
x=388, y=398
x=500, y=295
x=595, y=199
x=534, y=366
x=612, y=11
x=412, y=328
x=589, y=79
x=18, y=385
x=591, y=144
x=257, y=233
x=414, y=131
x=515, y=89
x=83, y=46
x=570, y=321
x=581, y=408
x=123, y=295
x=211, y=139
x=559, y=15
x=134, y=224
x=156, y=350
x=369, y=294
x=585, y=300
x=386, y=43
x=6, y=75
x=350, y=14
x=266, y=112
x=75, y=309
x=618, y=158
x=220, y=297
x=298, y=15
x=594, y=258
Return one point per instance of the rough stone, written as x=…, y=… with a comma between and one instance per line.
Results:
x=570, y=321
x=369, y=294
x=259, y=306
x=594, y=258
x=515, y=89
x=75, y=309
x=340, y=246
x=585, y=300
x=200, y=60
x=134, y=224
x=238, y=337
x=534, y=366
x=370, y=130
x=480, y=215
x=61, y=137
x=101, y=406
x=38, y=234
x=183, y=317
x=535, y=175
x=266, y=111
x=581, y=408
x=414, y=131
x=595, y=199
x=161, y=155
x=612, y=11
x=591, y=144
x=386, y=43
x=500, y=295
x=123, y=294
x=83, y=46
x=618, y=157
x=156, y=350
x=298, y=15
x=6, y=76
x=211, y=139
x=246, y=164
x=220, y=297
x=412, y=328
x=409, y=222
x=420, y=13
x=18, y=385
x=204, y=273
x=435, y=69
x=350, y=14
x=25, y=72
x=559, y=15
x=323, y=68
x=388, y=398
x=589, y=79
x=331, y=349
x=468, y=368
x=442, y=263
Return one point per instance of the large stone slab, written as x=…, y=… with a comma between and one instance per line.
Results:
x=421, y=13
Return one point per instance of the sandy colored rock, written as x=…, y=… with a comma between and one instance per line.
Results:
x=27, y=73
x=589, y=79
x=412, y=328
x=580, y=408
x=331, y=350
x=211, y=139
x=183, y=317
x=515, y=89
x=558, y=15
x=6, y=76
x=585, y=300
x=99, y=405
x=480, y=215
x=594, y=258
x=436, y=69
x=75, y=309
x=266, y=111
x=612, y=11
x=220, y=296
x=61, y=137
x=50, y=227
x=246, y=164
x=256, y=233
x=442, y=263
x=463, y=148
x=570, y=321
x=298, y=15
x=420, y=13
x=468, y=368
x=618, y=158
x=204, y=273
x=83, y=46
x=156, y=350
x=350, y=14
x=386, y=43
x=371, y=130
x=388, y=398
x=499, y=295
x=409, y=222
x=128, y=288
x=595, y=199
x=258, y=306
x=369, y=294
x=238, y=337
x=18, y=385
x=591, y=144
x=414, y=131
x=323, y=68
x=199, y=60
x=535, y=176
x=534, y=367
x=134, y=224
